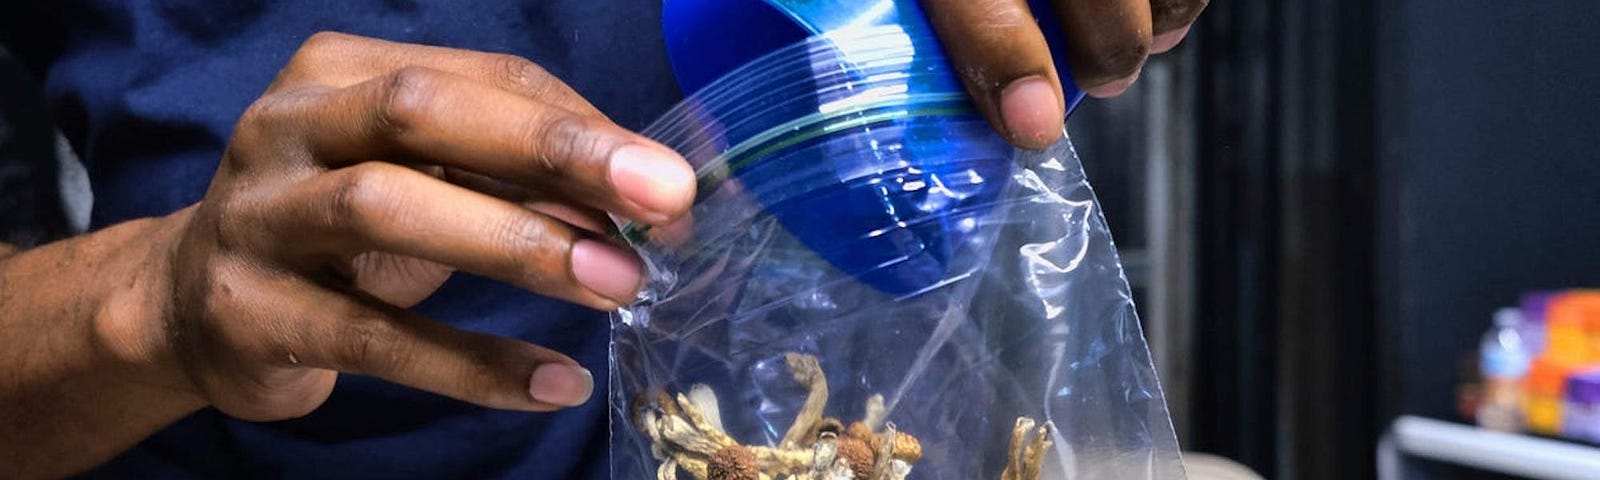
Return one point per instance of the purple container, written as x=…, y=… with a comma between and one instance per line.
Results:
x=1533, y=306
x=1581, y=418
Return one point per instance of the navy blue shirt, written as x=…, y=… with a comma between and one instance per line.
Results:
x=148, y=92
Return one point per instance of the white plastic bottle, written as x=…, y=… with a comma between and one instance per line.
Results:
x=1504, y=358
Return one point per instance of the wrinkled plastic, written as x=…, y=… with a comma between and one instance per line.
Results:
x=854, y=209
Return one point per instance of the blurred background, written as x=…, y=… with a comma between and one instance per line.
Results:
x=1321, y=205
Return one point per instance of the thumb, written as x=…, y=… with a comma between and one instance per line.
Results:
x=1005, y=63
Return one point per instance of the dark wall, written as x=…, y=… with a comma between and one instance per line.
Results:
x=30, y=203
x=1490, y=138
x=1286, y=335
x=1375, y=178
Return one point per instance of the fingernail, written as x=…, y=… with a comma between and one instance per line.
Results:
x=606, y=270
x=675, y=233
x=1114, y=87
x=560, y=384
x=1167, y=41
x=656, y=181
x=1031, y=111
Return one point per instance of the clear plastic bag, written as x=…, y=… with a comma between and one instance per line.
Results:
x=873, y=285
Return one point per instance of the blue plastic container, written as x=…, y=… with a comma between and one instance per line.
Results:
x=865, y=147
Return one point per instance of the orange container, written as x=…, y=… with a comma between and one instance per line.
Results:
x=1585, y=306
x=1544, y=391
x=1572, y=328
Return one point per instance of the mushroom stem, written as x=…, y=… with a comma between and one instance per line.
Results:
x=1025, y=458
x=885, y=453
x=697, y=419
x=807, y=371
x=782, y=461
x=705, y=399
x=875, y=413
x=1034, y=456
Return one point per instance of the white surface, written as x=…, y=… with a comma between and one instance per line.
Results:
x=1203, y=466
x=1495, y=451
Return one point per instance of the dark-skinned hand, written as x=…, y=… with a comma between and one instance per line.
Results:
x=364, y=176
x=1006, y=65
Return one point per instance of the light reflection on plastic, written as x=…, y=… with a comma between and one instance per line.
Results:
x=866, y=97
x=872, y=16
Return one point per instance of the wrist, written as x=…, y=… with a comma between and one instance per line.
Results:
x=133, y=308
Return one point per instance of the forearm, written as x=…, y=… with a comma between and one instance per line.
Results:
x=82, y=349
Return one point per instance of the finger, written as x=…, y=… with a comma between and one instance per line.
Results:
x=589, y=219
x=1171, y=20
x=389, y=208
x=451, y=120
x=1005, y=64
x=1107, y=42
x=340, y=60
x=356, y=334
x=676, y=233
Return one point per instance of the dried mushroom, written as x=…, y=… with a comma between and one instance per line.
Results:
x=687, y=435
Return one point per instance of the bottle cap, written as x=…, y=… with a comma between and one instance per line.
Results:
x=1508, y=317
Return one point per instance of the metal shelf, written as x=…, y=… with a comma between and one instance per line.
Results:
x=1480, y=448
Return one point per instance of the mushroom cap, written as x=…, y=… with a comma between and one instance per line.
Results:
x=733, y=462
x=858, y=454
x=860, y=431
x=906, y=447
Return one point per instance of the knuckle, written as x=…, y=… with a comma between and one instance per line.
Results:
x=1117, y=60
x=356, y=195
x=262, y=121
x=524, y=246
x=275, y=122
x=558, y=139
x=1173, y=14
x=521, y=74
x=240, y=229
x=1000, y=18
x=325, y=40
x=407, y=95
x=366, y=342
x=225, y=292
x=260, y=112
x=318, y=49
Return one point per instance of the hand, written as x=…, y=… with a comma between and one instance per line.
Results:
x=1006, y=65
x=364, y=176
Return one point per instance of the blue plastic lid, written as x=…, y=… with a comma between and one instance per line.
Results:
x=898, y=240
x=706, y=39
